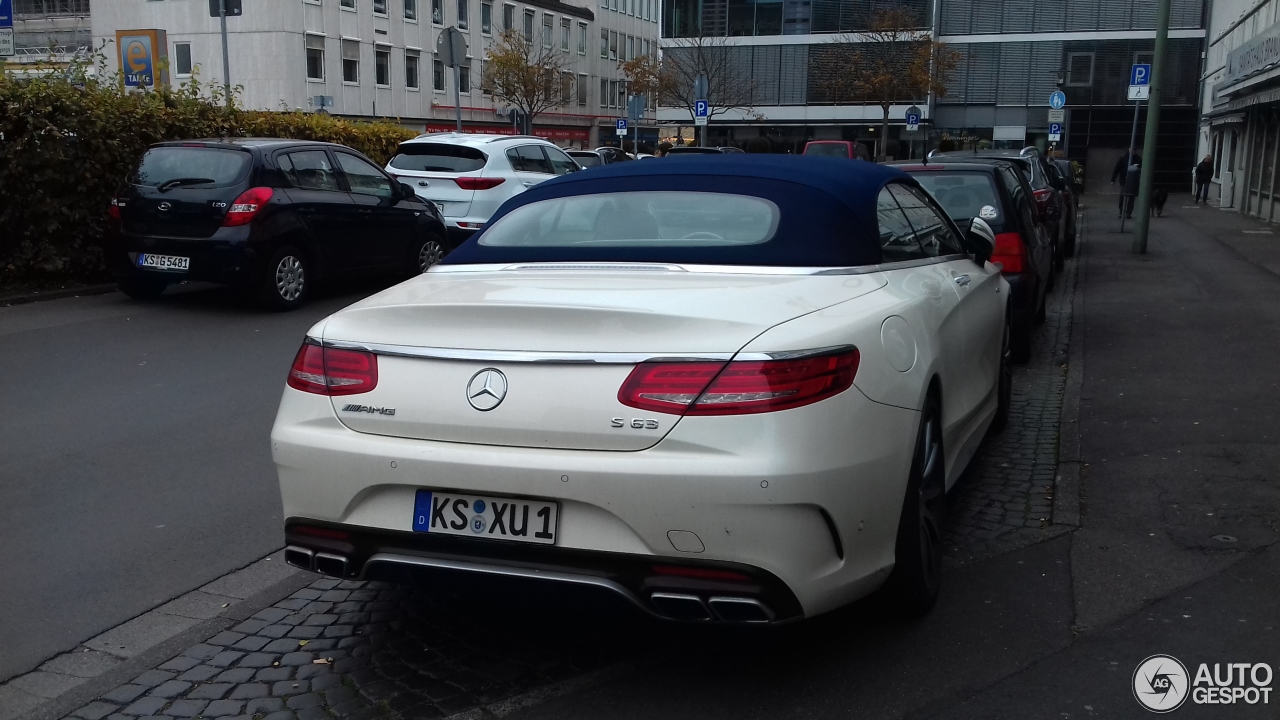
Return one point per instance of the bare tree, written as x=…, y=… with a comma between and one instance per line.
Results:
x=894, y=61
x=525, y=73
x=729, y=82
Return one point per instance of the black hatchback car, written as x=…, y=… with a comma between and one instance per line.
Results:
x=996, y=192
x=271, y=215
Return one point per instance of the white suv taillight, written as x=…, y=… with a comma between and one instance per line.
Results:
x=737, y=388
x=332, y=371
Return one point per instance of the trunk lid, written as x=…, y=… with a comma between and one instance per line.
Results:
x=184, y=191
x=447, y=329
x=431, y=168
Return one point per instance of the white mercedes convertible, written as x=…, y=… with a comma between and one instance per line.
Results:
x=730, y=389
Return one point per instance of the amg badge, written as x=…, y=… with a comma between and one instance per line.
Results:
x=369, y=409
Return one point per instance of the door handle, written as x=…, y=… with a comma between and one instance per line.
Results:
x=962, y=280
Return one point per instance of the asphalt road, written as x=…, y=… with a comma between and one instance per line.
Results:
x=134, y=462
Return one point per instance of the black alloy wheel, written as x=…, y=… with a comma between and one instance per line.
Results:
x=286, y=281
x=143, y=288
x=430, y=251
x=916, y=579
x=1004, y=383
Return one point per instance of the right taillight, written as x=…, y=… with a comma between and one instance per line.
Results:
x=741, y=387
x=248, y=205
x=114, y=209
x=333, y=371
x=1010, y=252
x=478, y=183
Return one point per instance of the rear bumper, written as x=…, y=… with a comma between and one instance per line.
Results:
x=804, y=502
x=227, y=257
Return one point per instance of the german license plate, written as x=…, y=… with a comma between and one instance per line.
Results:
x=493, y=518
x=163, y=262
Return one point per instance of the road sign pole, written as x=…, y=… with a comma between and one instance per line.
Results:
x=226, y=54
x=457, y=92
x=1153, y=131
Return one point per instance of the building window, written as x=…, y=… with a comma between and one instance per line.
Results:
x=631, y=47
x=604, y=43
x=582, y=38
x=604, y=4
x=464, y=13
x=1080, y=69
x=182, y=59
x=437, y=74
x=437, y=12
x=613, y=5
x=379, y=7
x=382, y=67
x=486, y=18
x=350, y=61
x=349, y=4
x=622, y=94
x=508, y=17
x=486, y=82
x=464, y=78
x=565, y=24
x=583, y=81
x=613, y=45
x=410, y=9
x=315, y=57
x=528, y=26
x=566, y=88
x=411, y=60
x=547, y=23
x=604, y=93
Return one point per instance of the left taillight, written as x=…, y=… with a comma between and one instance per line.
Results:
x=741, y=387
x=1042, y=199
x=114, y=209
x=333, y=371
x=248, y=205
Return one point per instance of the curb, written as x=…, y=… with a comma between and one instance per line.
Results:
x=1066, y=494
x=118, y=655
x=57, y=294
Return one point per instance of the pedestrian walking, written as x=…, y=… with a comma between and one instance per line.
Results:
x=1204, y=173
x=1128, y=171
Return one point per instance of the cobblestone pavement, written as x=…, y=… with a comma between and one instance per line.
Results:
x=375, y=650
x=1005, y=499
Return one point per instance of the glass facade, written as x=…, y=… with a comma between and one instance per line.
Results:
x=736, y=18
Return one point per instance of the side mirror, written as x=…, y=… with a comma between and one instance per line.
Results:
x=982, y=241
x=406, y=190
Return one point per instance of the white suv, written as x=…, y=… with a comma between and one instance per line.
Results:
x=469, y=175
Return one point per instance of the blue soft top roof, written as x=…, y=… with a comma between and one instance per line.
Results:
x=828, y=208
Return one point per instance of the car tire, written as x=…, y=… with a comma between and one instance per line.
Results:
x=916, y=579
x=142, y=288
x=286, y=280
x=1042, y=309
x=1020, y=342
x=427, y=253
x=1004, y=382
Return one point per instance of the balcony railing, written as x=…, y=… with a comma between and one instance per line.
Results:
x=28, y=9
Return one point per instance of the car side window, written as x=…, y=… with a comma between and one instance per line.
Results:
x=529, y=158
x=932, y=230
x=308, y=170
x=1018, y=193
x=561, y=163
x=897, y=238
x=364, y=178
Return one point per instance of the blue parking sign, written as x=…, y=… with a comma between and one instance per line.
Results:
x=622, y=124
x=1140, y=74
x=701, y=108
x=6, y=13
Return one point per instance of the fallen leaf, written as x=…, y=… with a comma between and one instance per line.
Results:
x=320, y=661
x=303, y=642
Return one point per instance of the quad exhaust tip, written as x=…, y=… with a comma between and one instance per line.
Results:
x=691, y=608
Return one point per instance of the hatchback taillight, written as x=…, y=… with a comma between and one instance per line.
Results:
x=249, y=204
x=1042, y=199
x=114, y=209
x=333, y=371
x=1010, y=252
x=737, y=388
x=479, y=183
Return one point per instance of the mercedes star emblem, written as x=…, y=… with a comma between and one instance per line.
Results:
x=164, y=206
x=487, y=389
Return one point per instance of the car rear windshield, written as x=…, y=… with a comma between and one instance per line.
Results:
x=637, y=219
x=438, y=157
x=827, y=149
x=587, y=160
x=195, y=167
x=964, y=195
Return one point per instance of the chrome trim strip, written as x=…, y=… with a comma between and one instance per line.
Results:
x=569, y=358
x=709, y=269
x=505, y=571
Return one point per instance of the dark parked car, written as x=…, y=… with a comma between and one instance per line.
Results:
x=612, y=155
x=999, y=194
x=1050, y=204
x=271, y=215
x=586, y=158
x=692, y=150
x=1062, y=180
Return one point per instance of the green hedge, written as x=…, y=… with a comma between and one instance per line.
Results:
x=67, y=142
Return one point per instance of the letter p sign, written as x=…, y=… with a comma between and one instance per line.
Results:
x=1140, y=74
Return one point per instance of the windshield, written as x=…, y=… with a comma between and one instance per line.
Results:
x=193, y=165
x=964, y=195
x=437, y=157
x=637, y=219
x=827, y=149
